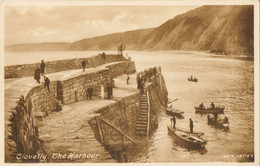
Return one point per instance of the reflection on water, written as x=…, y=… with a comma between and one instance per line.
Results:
x=225, y=81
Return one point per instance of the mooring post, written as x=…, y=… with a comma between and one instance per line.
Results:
x=99, y=130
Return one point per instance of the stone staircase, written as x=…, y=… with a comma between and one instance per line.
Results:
x=141, y=121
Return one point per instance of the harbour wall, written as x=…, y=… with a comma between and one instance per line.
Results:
x=123, y=114
x=24, y=70
x=39, y=102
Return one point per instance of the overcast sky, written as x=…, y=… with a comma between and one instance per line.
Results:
x=70, y=23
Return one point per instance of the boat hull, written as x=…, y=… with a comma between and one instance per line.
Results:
x=193, y=80
x=217, y=124
x=219, y=110
x=187, y=139
x=174, y=112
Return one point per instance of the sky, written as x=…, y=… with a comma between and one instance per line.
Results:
x=35, y=24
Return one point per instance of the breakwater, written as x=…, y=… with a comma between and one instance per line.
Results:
x=17, y=71
x=117, y=119
x=38, y=103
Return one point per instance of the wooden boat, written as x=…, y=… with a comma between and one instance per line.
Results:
x=173, y=112
x=219, y=110
x=191, y=140
x=220, y=123
x=193, y=80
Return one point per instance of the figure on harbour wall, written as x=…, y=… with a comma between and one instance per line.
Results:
x=47, y=83
x=42, y=67
x=83, y=65
x=37, y=75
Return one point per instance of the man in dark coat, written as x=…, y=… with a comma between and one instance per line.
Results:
x=90, y=93
x=191, y=125
x=47, y=83
x=83, y=65
x=37, y=75
x=42, y=67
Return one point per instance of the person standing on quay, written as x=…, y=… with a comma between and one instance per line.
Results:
x=83, y=65
x=191, y=125
x=37, y=75
x=47, y=83
x=127, y=79
x=42, y=67
x=102, y=92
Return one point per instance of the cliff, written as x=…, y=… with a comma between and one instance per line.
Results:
x=221, y=29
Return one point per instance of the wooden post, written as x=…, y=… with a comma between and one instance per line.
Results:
x=99, y=130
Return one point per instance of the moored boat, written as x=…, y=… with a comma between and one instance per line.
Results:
x=173, y=112
x=219, y=123
x=193, y=79
x=191, y=140
x=219, y=110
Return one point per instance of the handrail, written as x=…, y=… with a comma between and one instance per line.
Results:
x=148, y=118
x=117, y=129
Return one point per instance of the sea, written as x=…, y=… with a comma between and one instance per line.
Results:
x=226, y=81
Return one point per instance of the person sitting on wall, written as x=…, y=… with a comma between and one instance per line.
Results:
x=47, y=83
x=42, y=67
x=83, y=65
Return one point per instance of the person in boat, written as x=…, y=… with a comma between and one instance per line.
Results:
x=216, y=116
x=202, y=106
x=191, y=125
x=191, y=77
x=226, y=120
x=212, y=105
x=174, y=121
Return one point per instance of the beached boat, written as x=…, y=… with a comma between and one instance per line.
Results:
x=220, y=123
x=219, y=110
x=173, y=112
x=191, y=140
x=193, y=79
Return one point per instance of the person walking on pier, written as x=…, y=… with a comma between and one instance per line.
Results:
x=102, y=94
x=83, y=65
x=191, y=125
x=37, y=75
x=47, y=83
x=42, y=67
x=127, y=79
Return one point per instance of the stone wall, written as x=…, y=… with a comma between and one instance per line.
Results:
x=124, y=112
x=73, y=89
x=121, y=114
x=17, y=71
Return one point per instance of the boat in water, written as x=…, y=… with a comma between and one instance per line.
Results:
x=193, y=79
x=191, y=140
x=219, y=110
x=219, y=123
x=174, y=112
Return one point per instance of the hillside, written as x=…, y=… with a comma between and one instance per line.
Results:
x=221, y=29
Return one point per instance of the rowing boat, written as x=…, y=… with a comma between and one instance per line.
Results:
x=219, y=110
x=193, y=80
x=191, y=140
x=220, y=123
x=173, y=112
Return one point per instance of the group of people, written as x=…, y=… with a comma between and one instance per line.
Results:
x=201, y=106
x=106, y=92
x=146, y=75
x=41, y=71
x=173, y=122
x=89, y=93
